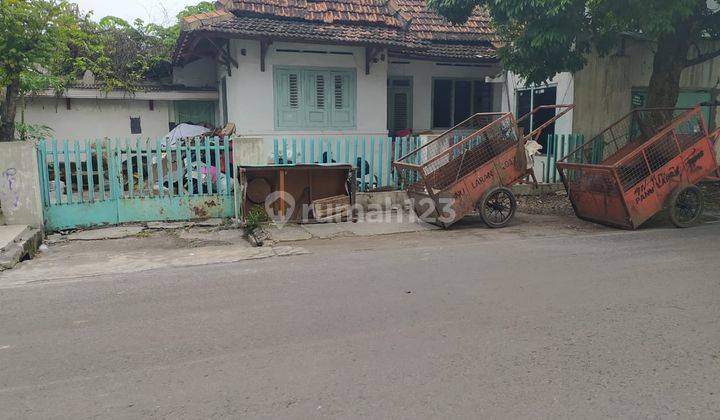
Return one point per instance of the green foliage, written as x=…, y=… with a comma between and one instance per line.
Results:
x=255, y=217
x=40, y=43
x=32, y=132
x=543, y=37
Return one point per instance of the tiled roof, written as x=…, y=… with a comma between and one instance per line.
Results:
x=145, y=87
x=255, y=27
x=447, y=51
x=427, y=24
x=354, y=11
x=400, y=25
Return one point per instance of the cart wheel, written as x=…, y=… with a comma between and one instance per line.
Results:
x=497, y=207
x=686, y=206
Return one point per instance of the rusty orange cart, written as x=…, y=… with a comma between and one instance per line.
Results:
x=648, y=161
x=469, y=168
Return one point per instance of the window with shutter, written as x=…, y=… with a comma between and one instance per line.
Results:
x=302, y=100
x=294, y=91
x=338, y=92
x=343, y=112
x=288, y=94
x=320, y=91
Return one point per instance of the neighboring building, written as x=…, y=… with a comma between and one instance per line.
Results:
x=609, y=87
x=352, y=67
x=86, y=111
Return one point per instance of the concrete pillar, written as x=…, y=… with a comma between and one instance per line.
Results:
x=248, y=151
x=20, y=184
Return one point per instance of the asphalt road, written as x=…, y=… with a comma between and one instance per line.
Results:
x=623, y=324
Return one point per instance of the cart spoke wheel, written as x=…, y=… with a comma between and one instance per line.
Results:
x=686, y=206
x=497, y=207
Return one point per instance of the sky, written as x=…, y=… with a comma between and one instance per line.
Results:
x=157, y=11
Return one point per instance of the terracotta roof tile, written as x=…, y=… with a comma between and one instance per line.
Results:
x=406, y=26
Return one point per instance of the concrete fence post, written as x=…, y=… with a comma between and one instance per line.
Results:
x=248, y=151
x=20, y=184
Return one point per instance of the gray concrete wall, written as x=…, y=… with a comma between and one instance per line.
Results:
x=20, y=184
x=603, y=88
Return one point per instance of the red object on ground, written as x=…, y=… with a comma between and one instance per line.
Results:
x=639, y=166
x=469, y=168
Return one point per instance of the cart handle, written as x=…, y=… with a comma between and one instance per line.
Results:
x=715, y=136
x=533, y=135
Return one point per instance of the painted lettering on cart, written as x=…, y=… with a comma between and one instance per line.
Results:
x=664, y=178
x=693, y=160
x=643, y=191
x=482, y=179
x=508, y=163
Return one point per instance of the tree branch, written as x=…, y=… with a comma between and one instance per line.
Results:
x=702, y=58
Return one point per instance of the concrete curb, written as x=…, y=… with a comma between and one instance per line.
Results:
x=24, y=246
x=391, y=200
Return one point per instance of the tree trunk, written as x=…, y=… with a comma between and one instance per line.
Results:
x=669, y=62
x=8, y=110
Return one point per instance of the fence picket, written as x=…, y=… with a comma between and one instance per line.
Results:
x=381, y=146
x=275, y=151
x=68, y=174
x=179, y=167
x=208, y=168
x=150, y=170
x=167, y=164
x=188, y=168
x=100, y=169
x=159, y=168
x=140, y=166
x=199, y=187
x=90, y=172
x=218, y=168
x=129, y=168
x=285, y=159
x=227, y=167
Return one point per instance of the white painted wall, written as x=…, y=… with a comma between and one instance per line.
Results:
x=565, y=95
x=200, y=73
x=250, y=91
x=423, y=72
x=98, y=118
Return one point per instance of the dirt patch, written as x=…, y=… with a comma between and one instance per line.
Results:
x=555, y=204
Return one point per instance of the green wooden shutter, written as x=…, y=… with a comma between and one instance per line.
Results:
x=343, y=99
x=317, y=103
x=314, y=98
x=288, y=98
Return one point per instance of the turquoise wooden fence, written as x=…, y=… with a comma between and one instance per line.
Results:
x=372, y=156
x=558, y=146
x=90, y=183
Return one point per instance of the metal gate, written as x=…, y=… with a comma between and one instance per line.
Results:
x=93, y=183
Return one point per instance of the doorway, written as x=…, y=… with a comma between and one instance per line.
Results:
x=400, y=106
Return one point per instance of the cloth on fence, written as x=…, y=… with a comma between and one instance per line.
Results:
x=184, y=131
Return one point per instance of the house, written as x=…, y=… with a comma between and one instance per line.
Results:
x=342, y=68
x=86, y=111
